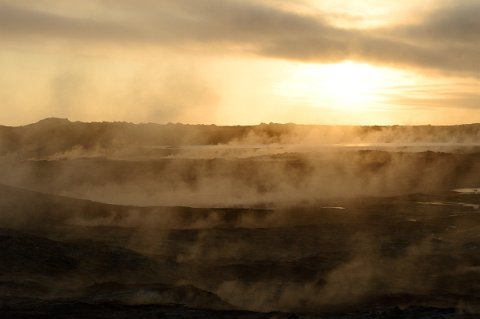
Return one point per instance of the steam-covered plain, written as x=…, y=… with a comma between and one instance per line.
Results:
x=268, y=221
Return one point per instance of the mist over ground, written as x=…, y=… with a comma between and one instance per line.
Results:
x=267, y=221
x=214, y=166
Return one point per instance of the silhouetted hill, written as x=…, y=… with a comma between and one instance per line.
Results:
x=51, y=136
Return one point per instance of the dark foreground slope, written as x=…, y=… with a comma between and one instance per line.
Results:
x=414, y=256
x=77, y=310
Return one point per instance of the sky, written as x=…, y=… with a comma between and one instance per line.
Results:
x=229, y=62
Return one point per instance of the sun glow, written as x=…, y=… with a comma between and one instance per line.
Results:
x=351, y=84
x=347, y=85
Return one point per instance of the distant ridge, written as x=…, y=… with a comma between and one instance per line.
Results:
x=60, y=120
x=52, y=121
x=57, y=135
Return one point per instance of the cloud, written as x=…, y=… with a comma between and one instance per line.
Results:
x=445, y=40
x=18, y=21
x=456, y=22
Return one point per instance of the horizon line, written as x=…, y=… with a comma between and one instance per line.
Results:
x=64, y=119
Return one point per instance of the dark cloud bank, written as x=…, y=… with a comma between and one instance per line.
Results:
x=446, y=40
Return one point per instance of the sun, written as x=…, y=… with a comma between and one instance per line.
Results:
x=347, y=85
x=350, y=84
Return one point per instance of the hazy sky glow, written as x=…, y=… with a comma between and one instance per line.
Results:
x=241, y=62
